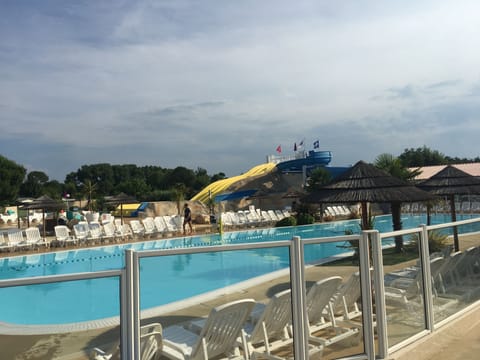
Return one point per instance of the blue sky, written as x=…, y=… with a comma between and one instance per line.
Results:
x=220, y=84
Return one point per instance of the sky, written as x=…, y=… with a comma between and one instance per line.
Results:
x=221, y=84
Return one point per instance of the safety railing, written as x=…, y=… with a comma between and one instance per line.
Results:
x=396, y=303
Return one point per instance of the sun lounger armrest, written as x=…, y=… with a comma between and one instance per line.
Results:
x=169, y=344
x=99, y=354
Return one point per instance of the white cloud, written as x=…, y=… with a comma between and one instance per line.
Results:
x=365, y=77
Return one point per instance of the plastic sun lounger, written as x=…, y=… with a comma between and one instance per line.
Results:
x=218, y=336
x=150, y=345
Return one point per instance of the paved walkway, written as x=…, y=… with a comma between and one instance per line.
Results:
x=459, y=339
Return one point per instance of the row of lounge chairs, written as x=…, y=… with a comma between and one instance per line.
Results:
x=442, y=207
x=96, y=232
x=340, y=211
x=27, y=239
x=246, y=329
x=252, y=217
x=455, y=279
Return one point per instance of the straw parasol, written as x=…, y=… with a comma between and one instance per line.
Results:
x=43, y=202
x=449, y=182
x=364, y=183
x=120, y=199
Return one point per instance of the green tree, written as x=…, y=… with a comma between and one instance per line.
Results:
x=89, y=189
x=33, y=185
x=422, y=156
x=179, y=191
x=318, y=178
x=395, y=167
x=11, y=178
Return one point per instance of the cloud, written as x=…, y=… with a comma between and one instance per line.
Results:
x=221, y=84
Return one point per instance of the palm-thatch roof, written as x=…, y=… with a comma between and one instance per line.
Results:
x=451, y=181
x=43, y=202
x=365, y=183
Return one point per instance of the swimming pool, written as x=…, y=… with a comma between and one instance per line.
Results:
x=164, y=279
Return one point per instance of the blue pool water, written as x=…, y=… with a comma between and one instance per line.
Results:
x=163, y=279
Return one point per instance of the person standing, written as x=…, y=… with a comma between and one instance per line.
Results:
x=187, y=218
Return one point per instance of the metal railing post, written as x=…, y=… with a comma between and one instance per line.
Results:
x=379, y=287
x=133, y=309
x=299, y=313
x=427, y=277
x=367, y=305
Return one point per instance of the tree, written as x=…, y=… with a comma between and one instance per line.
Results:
x=11, y=178
x=34, y=184
x=318, y=178
x=395, y=167
x=179, y=194
x=422, y=156
x=89, y=188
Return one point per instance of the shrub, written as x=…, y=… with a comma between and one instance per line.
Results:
x=305, y=219
x=288, y=221
x=437, y=241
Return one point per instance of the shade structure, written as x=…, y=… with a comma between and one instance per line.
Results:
x=449, y=182
x=43, y=202
x=364, y=183
x=120, y=199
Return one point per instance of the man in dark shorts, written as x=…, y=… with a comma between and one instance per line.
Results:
x=187, y=218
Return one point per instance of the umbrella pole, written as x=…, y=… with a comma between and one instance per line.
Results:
x=18, y=218
x=365, y=224
x=43, y=219
x=121, y=213
x=456, y=245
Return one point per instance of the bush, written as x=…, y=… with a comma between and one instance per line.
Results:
x=288, y=221
x=305, y=219
x=436, y=242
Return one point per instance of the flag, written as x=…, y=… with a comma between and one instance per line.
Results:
x=279, y=148
x=301, y=143
x=316, y=144
x=295, y=147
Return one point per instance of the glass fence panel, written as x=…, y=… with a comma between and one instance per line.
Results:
x=66, y=319
x=457, y=276
x=333, y=299
x=404, y=294
x=213, y=296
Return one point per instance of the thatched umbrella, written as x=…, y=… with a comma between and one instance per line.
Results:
x=44, y=203
x=120, y=199
x=364, y=183
x=449, y=182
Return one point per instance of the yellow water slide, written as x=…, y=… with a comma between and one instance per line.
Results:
x=220, y=186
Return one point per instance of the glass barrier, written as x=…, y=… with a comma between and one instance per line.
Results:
x=404, y=293
x=212, y=297
x=455, y=274
x=60, y=319
x=333, y=299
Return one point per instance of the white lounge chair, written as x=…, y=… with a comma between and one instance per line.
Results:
x=82, y=232
x=35, y=239
x=17, y=240
x=4, y=244
x=219, y=335
x=137, y=228
x=269, y=331
x=150, y=345
x=345, y=302
x=149, y=226
x=95, y=232
x=319, y=303
x=160, y=225
x=62, y=235
x=109, y=232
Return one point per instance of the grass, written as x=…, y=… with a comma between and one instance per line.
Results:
x=390, y=257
